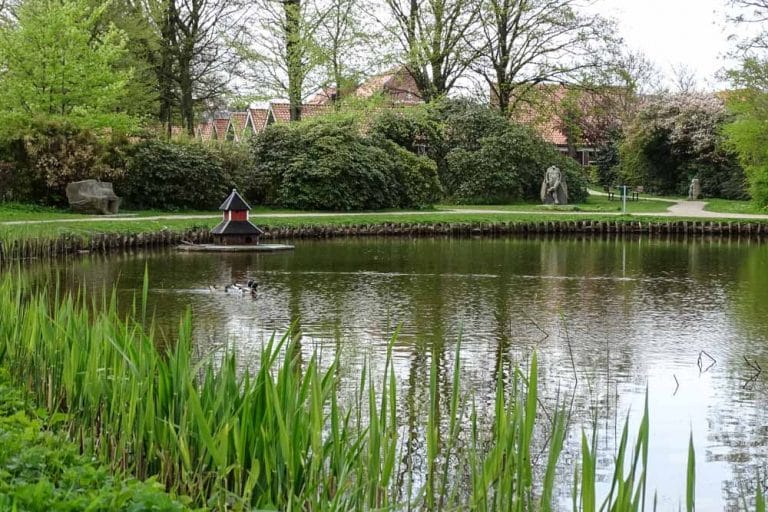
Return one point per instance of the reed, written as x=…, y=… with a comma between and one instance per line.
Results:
x=279, y=437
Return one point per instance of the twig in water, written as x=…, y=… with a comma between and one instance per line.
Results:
x=537, y=326
x=756, y=367
x=677, y=384
x=700, y=362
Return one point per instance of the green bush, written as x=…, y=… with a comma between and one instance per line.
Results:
x=167, y=176
x=38, y=165
x=40, y=471
x=509, y=167
x=329, y=164
x=479, y=155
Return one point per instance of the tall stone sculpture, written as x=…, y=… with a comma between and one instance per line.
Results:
x=554, y=190
x=694, y=189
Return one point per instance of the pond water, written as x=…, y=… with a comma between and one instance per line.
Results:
x=610, y=319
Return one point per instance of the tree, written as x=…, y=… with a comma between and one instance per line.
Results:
x=283, y=51
x=142, y=44
x=436, y=38
x=345, y=41
x=196, y=58
x=677, y=137
x=749, y=103
x=746, y=132
x=749, y=15
x=53, y=67
x=530, y=42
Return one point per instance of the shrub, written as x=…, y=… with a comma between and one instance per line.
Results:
x=479, y=155
x=415, y=177
x=169, y=176
x=509, y=167
x=235, y=159
x=39, y=164
x=40, y=470
x=329, y=164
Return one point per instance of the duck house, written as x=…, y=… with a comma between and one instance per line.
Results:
x=235, y=228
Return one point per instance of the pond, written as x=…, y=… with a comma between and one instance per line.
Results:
x=610, y=319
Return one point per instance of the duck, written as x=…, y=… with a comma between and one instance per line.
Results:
x=249, y=286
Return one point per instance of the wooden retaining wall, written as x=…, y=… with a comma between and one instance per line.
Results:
x=41, y=248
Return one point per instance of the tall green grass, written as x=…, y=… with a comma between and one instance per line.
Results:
x=279, y=437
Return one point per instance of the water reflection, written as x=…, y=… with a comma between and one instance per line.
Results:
x=609, y=319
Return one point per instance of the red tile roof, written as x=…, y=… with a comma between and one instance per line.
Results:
x=397, y=85
x=323, y=97
x=548, y=127
x=258, y=118
x=281, y=112
x=220, y=128
x=237, y=122
x=309, y=111
x=205, y=130
x=543, y=112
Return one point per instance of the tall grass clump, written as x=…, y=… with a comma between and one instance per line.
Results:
x=278, y=437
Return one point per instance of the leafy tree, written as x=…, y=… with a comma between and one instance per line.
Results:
x=607, y=161
x=348, y=44
x=53, y=67
x=747, y=132
x=142, y=44
x=194, y=59
x=678, y=137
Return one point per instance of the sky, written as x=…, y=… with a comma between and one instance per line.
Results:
x=673, y=32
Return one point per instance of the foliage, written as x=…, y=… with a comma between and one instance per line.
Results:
x=509, y=167
x=329, y=164
x=165, y=175
x=41, y=471
x=538, y=41
x=435, y=41
x=675, y=138
x=746, y=132
x=481, y=156
x=57, y=67
x=607, y=160
x=49, y=155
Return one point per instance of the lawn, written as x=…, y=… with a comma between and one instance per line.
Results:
x=594, y=203
x=730, y=206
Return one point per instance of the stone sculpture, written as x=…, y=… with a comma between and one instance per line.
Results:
x=92, y=196
x=694, y=189
x=554, y=189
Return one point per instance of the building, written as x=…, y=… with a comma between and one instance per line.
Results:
x=235, y=227
x=396, y=86
x=547, y=108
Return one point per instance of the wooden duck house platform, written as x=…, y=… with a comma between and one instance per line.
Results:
x=235, y=248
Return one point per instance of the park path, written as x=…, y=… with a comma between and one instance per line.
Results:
x=678, y=208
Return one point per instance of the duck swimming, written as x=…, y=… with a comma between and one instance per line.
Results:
x=249, y=286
